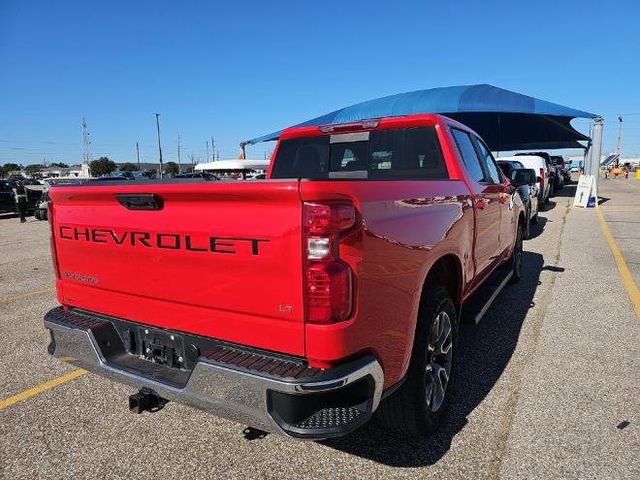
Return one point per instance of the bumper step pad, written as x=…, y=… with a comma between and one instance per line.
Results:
x=332, y=417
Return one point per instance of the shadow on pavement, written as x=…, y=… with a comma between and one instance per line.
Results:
x=536, y=230
x=566, y=191
x=484, y=352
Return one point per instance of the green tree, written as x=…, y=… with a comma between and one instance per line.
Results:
x=59, y=165
x=171, y=168
x=102, y=166
x=128, y=167
x=7, y=168
x=33, y=170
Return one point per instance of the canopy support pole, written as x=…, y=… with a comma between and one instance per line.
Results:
x=593, y=165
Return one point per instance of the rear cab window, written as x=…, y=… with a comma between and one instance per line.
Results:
x=385, y=154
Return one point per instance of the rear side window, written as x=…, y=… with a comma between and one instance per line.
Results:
x=468, y=154
x=404, y=153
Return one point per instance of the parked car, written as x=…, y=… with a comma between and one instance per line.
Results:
x=538, y=164
x=7, y=197
x=551, y=170
x=525, y=183
x=300, y=305
x=41, y=209
x=204, y=175
x=564, y=170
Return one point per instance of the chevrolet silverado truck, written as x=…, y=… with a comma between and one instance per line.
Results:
x=301, y=304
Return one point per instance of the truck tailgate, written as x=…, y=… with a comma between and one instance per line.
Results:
x=217, y=259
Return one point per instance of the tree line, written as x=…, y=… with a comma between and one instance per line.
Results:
x=99, y=168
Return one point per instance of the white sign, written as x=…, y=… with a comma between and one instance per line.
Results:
x=583, y=192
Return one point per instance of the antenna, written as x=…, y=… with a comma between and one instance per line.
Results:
x=138, y=155
x=213, y=149
x=207, y=142
x=86, y=149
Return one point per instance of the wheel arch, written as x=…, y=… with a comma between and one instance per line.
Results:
x=445, y=271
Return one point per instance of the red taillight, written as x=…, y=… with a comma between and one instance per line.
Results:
x=327, y=218
x=541, y=177
x=328, y=292
x=52, y=241
x=328, y=280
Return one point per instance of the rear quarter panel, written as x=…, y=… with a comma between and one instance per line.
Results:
x=406, y=227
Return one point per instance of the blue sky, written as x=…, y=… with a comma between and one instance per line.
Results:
x=236, y=70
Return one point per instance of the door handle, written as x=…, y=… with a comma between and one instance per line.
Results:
x=140, y=201
x=481, y=203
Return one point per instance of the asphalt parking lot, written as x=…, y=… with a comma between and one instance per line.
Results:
x=548, y=384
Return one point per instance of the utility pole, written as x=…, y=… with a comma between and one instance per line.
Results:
x=86, y=150
x=207, y=142
x=179, y=164
x=619, y=135
x=138, y=155
x=213, y=149
x=159, y=145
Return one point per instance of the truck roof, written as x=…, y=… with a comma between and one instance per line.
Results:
x=402, y=121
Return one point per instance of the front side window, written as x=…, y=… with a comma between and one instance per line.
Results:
x=488, y=162
x=402, y=153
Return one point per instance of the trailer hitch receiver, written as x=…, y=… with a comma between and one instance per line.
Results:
x=146, y=400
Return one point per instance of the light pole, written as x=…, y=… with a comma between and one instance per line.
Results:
x=619, y=135
x=159, y=146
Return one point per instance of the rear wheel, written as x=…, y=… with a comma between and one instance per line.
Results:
x=416, y=408
x=527, y=228
x=516, y=256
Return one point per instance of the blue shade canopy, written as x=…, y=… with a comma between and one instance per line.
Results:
x=506, y=120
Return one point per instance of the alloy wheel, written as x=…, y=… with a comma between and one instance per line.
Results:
x=440, y=355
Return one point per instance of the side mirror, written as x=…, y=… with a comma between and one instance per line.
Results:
x=523, y=176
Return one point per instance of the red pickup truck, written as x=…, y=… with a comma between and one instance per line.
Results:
x=300, y=304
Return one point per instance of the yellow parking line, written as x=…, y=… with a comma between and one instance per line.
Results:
x=625, y=273
x=20, y=296
x=41, y=388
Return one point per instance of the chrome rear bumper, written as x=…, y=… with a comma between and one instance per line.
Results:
x=300, y=401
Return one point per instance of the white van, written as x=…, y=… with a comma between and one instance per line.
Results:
x=542, y=171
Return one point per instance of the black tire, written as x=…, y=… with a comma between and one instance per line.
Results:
x=413, y=410
x=527, y=228
x=516, y=256
x=534, y=219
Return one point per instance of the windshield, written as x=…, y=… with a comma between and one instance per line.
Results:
x=405, y=153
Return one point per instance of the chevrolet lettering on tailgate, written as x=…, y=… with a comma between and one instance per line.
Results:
x=171, y=241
